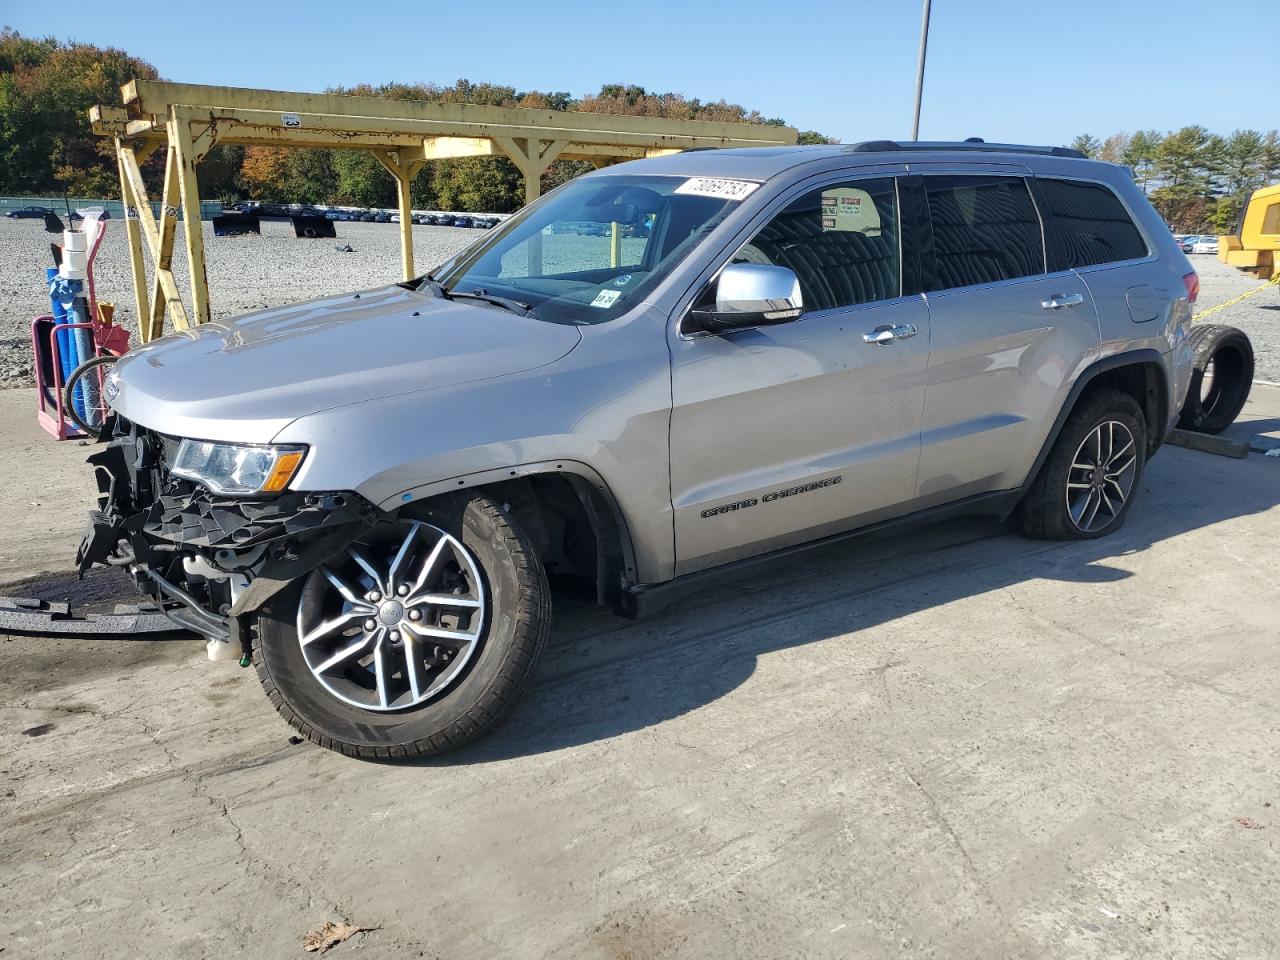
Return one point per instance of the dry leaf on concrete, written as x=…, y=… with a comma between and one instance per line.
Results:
x=330, y=935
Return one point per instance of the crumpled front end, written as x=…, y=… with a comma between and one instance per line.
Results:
x=207, y=560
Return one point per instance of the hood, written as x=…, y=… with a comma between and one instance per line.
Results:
x=246, y=379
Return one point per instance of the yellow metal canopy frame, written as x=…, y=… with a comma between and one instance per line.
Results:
x=187, y=120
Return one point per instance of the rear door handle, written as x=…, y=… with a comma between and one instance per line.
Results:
x=1058, y=301
x=888, y=333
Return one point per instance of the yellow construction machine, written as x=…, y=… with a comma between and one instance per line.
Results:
x=1256, y=247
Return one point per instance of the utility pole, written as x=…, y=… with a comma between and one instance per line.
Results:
x=924, y=46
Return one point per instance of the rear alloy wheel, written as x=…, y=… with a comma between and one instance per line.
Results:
x=1086, y=485
x=414, y=640
x=1101, y=476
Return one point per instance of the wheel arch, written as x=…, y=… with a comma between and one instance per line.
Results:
x=548, y=498
x=1139, y=373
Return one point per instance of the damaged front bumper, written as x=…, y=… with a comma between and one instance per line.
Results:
x=208, y=560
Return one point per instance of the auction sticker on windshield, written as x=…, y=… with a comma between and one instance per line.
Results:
x=606, y=298
x=716, y=187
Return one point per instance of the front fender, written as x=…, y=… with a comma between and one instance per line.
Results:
x=602, y=414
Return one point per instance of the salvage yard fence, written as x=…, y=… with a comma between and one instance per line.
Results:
x=208, y=208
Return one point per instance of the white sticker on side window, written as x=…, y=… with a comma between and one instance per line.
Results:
x=606, y=298
x=716, y=187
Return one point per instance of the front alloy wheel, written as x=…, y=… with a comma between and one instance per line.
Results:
x=390, y=626
x=412, y=641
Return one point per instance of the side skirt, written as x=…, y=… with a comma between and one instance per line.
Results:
x=647, y=599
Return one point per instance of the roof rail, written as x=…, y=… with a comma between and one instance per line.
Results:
x=886, y=146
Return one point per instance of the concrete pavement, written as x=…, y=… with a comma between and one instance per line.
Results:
x=954, y=743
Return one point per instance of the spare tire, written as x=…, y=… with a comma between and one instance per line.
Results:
x=1221, y=376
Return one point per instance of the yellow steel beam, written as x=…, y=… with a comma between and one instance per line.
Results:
x=236, y=123
x=142, y=97
x=532, y=156
x=189, y=119
x=444, y=148
x=133, y=234
x=161, y=255
x=436, y=147
x=185, y=153
x=403, y=168
x=164, y=292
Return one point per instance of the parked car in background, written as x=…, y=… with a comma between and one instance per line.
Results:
x=1186, y=244
x=1205, y=245
x=28, y=213
x=807, y=343
x=462, y=221
x=368, y=216
x=395, y=218
x=381, y=216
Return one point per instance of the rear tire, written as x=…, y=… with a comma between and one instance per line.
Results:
x=1221, y=377
x=327, y=706
x=1086, y=485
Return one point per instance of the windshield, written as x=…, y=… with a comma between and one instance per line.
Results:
x=596, y=246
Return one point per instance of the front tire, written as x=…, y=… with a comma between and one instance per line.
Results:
x=416, y=640
x=1086, y=485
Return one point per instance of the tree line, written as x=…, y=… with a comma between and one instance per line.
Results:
x=47, y=146
x=1197, y=180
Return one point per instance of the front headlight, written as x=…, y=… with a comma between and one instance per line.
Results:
x=230, y=468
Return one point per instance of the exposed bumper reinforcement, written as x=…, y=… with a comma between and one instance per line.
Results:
x=24, y=617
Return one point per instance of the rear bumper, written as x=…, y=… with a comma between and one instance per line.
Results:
x=206, y=559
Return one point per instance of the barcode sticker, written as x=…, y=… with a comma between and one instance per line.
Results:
x=717, y=187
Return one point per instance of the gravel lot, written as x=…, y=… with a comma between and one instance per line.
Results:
x=245, y=273
x=248, y=273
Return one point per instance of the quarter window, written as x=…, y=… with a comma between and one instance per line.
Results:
x=1090, y=224
x=985, y=229
x=841, y=240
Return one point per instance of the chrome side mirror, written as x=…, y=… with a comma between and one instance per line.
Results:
x=751, y=295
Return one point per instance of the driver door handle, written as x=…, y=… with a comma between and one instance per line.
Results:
x=887, y=333
x=1058, y=301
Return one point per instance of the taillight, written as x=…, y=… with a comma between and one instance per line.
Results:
x=1192, y=282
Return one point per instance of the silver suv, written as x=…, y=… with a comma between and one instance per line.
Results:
x=653, y=374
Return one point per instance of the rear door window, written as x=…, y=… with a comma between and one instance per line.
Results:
x=841, y=240
x=985, y=229
x=1089, y=225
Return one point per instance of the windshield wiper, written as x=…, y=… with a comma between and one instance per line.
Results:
x=515, y=306
x=438, y=289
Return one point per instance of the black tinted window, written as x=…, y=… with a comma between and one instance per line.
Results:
x=841, y=241
x=984, y=229
x=1090, y=225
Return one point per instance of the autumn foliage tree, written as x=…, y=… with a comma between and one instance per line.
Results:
x=46, y=145
x=46, y=89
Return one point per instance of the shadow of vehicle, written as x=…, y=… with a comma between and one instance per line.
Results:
x=603, y=677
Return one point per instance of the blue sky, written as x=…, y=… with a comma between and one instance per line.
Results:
x=1011, y=70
